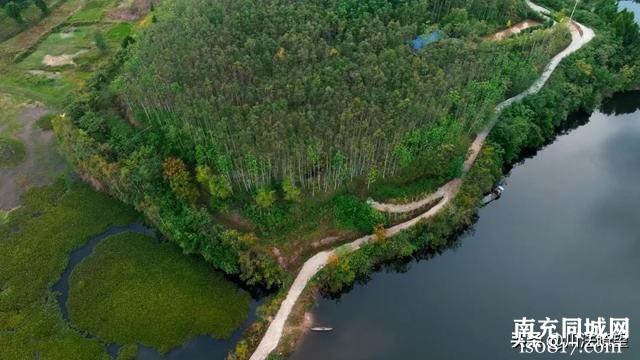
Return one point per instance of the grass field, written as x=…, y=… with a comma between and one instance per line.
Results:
x=134, y=289
x=93, y=11
x=32, y=78
x=10, y=105
x=30, y=36
x=68, y=31
x=34, y=246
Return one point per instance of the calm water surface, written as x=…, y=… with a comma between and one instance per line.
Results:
x=563, y=241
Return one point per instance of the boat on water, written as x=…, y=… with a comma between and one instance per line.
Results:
x=321, y=328
x=494, y=195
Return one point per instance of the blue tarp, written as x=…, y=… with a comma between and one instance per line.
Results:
x=423, y=40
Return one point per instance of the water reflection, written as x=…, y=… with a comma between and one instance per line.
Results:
x=625, y=103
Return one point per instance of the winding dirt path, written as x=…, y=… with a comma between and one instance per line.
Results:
x=580, y=36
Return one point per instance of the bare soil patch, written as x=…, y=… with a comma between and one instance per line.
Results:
x=42, y=163
x=515, y=29
x=62, y=60
x=131, y=10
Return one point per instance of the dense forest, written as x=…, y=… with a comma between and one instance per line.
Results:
x=247, y=131
x=319, y=94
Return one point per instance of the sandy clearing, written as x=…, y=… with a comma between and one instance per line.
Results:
x=62, y=60
x=515, y=29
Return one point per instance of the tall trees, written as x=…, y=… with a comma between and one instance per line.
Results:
x=42, y=6
x=322, y=93
x=13, y=11
x=626, y=28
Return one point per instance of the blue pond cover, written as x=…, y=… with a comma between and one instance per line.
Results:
x=423, y=40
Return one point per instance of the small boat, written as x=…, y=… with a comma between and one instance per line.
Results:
x=321, y=328
x=494, y=195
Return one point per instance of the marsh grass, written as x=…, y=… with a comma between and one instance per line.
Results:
x=35, y=242
x=135, y=289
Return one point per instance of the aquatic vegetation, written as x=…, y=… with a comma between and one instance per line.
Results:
x=134, y=289
x=34, y=245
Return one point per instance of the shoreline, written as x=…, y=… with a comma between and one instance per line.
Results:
x=317, y=262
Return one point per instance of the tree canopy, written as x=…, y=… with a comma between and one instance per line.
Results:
x=320, y=92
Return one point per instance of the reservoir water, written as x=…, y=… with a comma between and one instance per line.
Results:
x=563, y=241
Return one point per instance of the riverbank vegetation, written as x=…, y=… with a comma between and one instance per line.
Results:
x=35, y=242
x=134, y=290
x=215, y=166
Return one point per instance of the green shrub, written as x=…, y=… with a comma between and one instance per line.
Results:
x=277, y=219
x=42, y=6
x=44, y=122
x=12, y=152
x=291, y=192
x=265, y=198
x=352, y=213
x=13, y=11
x=101, y=43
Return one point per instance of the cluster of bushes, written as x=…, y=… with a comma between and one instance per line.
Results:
x=254, y=333
x=12, y=152
x=14, y=8
x=352, y=213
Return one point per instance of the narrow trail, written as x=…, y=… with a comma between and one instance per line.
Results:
x=580, y=35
